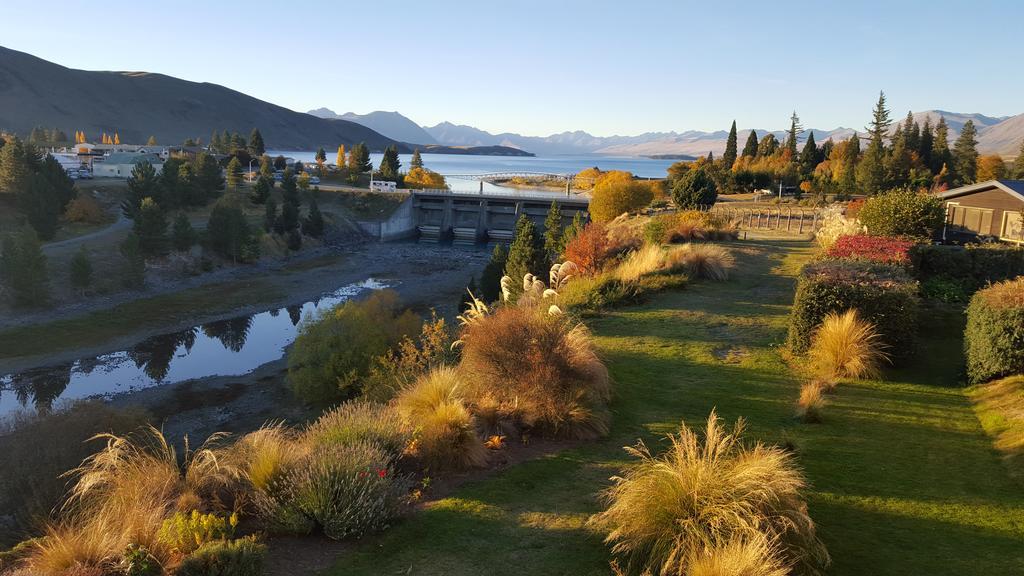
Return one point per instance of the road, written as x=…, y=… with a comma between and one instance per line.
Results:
x=120, y=224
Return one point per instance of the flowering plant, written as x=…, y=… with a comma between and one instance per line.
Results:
x=875, y=248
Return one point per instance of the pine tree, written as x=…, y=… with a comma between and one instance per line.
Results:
x=553, y=233
x=234, y=173
x=260, y=191
x=228, y=232
x=133, y=263
x=808, y=157
x=359, y=159
x=294, y=240
x=851, y=153
x=925, y=144
x=216, y=144
x=1018, y=163
x=151, y=228
x=23, y=268
x=525, y=255
x=729, y=157
x=270, y=214
x=795, y=129
x=256, y=146
x=313, y=224
x=39, y=205
x=898, y=162
x=208, y=180
x=490, y=278
x=871, y=171
x=81, y=269
x=965, y=155
x=183, y=236
x=750, y=148
x=879, y=127
x=940, y=147
x=417, y=161
x=15, y=166
x=571, y=231
x=389, y=164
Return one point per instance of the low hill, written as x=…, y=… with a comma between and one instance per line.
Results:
x=476, y=150
x=137, y=105
x=390, y=124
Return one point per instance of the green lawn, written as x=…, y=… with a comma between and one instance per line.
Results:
x=904, y=479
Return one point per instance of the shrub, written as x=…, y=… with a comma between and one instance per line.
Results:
x=84, y=208
x=598, y=292
x=707, y=261
x=184, y=533
x=359, y=421
x=969, y=267
x=650, y=258
x=402, y=365
x=341, y=490
x=884, y=295
x=695, y=189
x=754, y=555
x=834, y=225
x=541, y=371
x=589, y=249
x=902, y=212
x=994, y=338
x=844, y=346
x=265, y=455
x=445, y=432
x=874, y=248
x=665, y=512
x=614, y=196
x=334, y=351
x=810, y=403
x=242, y=557
x=944, y=290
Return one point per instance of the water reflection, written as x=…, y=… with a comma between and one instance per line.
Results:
x=223, y=348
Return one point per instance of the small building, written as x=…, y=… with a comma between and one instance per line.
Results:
x=383, y=186
x=120, y=164
x=992, y=209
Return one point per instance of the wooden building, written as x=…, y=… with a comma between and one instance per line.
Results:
x=993, y=209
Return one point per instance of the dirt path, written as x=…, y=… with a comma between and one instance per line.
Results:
x=54, y=248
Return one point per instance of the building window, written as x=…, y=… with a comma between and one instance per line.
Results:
x=968, y=219
x=1013, y=227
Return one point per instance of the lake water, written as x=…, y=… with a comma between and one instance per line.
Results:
x=461, y=164
x=229, y=347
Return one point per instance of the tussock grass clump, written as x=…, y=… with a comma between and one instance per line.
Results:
x=707, y=497
x=356, y=421
x=539, y=371
x=845, y=346
x=265, y=455
x=810, y=403
x=708, y=261
x=755, y=555
x=445, y=431
x=648, y=259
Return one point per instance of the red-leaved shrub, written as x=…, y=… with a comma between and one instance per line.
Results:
x=589, y=249
x=875, y=248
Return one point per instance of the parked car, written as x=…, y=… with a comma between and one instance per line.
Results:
x=73, y=174
x=314, y=179
x=278, y=176
x=85, y=174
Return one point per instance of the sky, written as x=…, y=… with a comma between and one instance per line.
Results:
x=540, y=67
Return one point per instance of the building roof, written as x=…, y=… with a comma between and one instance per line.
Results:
x=1014, y=188
x=131, y=158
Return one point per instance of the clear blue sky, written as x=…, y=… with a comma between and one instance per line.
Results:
x=538, y=67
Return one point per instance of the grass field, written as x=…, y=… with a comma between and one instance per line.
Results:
x=905, y=481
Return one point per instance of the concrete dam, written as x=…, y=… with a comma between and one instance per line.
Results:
x=471, y=218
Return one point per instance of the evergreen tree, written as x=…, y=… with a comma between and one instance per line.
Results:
x=767, y=146
x=389, y=164
x=879, y=127
x=256, y=146
x=267, y=170
x=170, y=191
x=313, y=224
x=280, y=163
x=417, y=161
x=553, y=233
x=260, y=191
x=151, y=228
x=208, y=180
x=63, y=186
x=925, y=144
x=15, y=166
x=490, y=278
x=294, y=240
x=897, y=171
x=289, y=219
x=228, y=231
x=183, y=236
x=234, y=172
x=940, y=148
x=38, y=203
x=571, y=231
x=695, y=190
x=794, y=132
x=216, y=144
x=359, y=159
x=871, y=170
x=81, y=269
x=808, y=157
x=729, y=157
x=750, y=148
x=965, y=155
x=133, y=263
x=525, y=255
x=270, y=214
x=23, y=268
x=851, y=153
x=1018, y=163
x=321, y=156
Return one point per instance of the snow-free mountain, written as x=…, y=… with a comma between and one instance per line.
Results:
x=391, y=124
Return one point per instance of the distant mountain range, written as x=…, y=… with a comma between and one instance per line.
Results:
x=137, y=105
x=390, y=124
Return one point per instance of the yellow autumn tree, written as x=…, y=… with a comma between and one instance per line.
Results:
x=991, y=167
x=340, y=160
x=422, y=178
x=117, y=138
x=615, y=194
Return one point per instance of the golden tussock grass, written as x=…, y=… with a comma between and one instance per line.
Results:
x=810, y=403
x=845, y=346
x=708, y=261
x=445, y=431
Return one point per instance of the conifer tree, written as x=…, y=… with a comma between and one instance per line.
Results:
x=940, y=147
x=208, y=180
x=808, y=157
x=879, y=127
x=389, y=164
x=767, y=146
x=965, y=155
x=228, y=231
x=216, y=144
x=729, y=157
x=553, y=233
x=925, y=144
x=23, y=268
x=15, y=166
x=490, y=278
x=571, y=231
x=151, y=228
x=794, y=132
x=851, y=153
x=256, y=146
x=313, y=224
x=270, y=214
x=525, y=255
x=260, y=191
x=133, y=263
x=1018, y=163
x=38, y=203
x=183, y=236
x=294, y=240
x=359, y=159
x=234, y=173
x=750, y=148
x=871, y=170
x=417, y=161
x=81, y=269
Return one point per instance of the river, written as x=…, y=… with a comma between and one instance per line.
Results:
x=465, y=164
x=230, y=347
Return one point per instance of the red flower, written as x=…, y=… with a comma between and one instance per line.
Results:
x=382, y=472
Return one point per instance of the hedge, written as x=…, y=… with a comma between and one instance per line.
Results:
x=972, y=267
x=994, y=337
x=884, y=294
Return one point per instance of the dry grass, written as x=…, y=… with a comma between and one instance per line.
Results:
x=708, y=261
x=445, y=431
x=845, y=346
x=265, y=455
x=359, y=421
x=648, y=259
x=536, y=370
x=810, y=403
x=666, y=512
x=1000, y=407
x=751, y=556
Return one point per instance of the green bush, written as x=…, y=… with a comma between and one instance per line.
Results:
x=902, y=212
x=358, y=421
x=994, y=338
x=695, y=189
x=334, y=351
x=941, y=269
x=187, y=532
x=884, y=294
x=242, y=557
x=341, y=490
x=594, y=293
